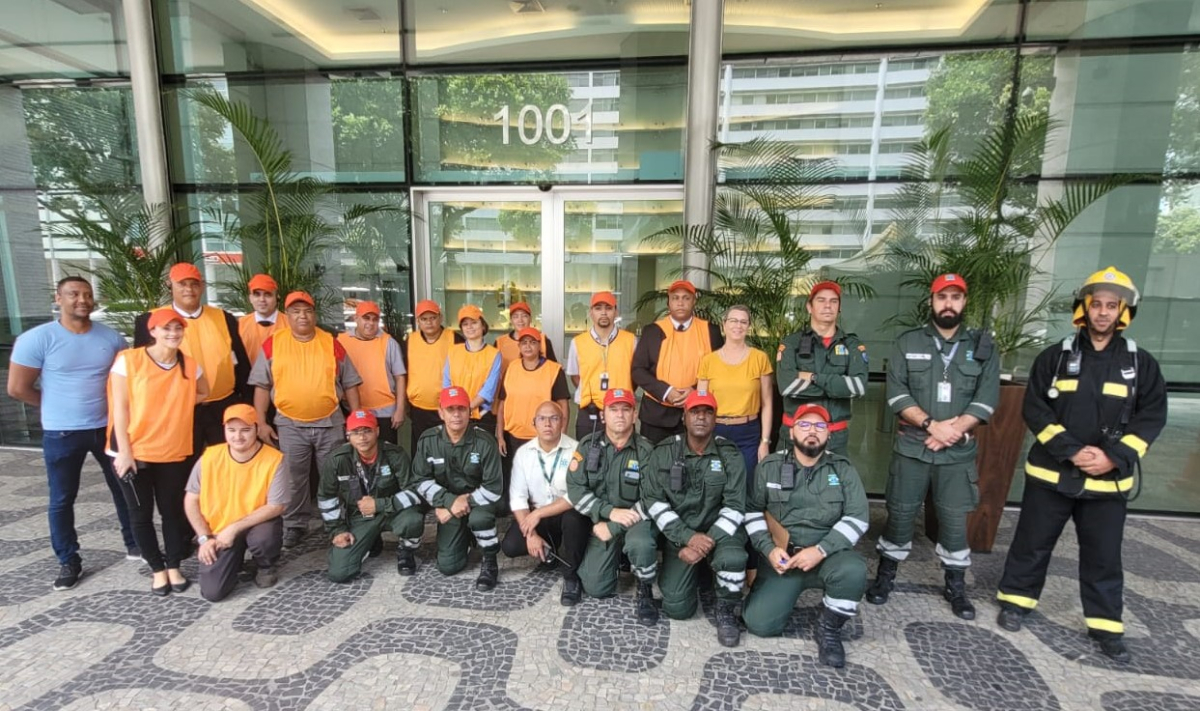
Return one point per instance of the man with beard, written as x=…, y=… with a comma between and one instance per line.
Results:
x=818, y=498
x=1095, y=403
x=822, y=365
x=599, y=360
x=943, y=380
x=377, y=358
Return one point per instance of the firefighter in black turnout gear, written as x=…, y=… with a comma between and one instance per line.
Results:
x=1095, y=403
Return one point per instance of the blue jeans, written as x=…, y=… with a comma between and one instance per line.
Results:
x=64, y=452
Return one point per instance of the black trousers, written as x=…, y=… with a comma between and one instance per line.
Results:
x=420, y=420
x=387, y=433
x=567, y=532
x=588, y=422
x=1100, y=527
x=162, y=484
x=656, y=434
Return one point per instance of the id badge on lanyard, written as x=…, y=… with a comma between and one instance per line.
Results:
x=944, y=390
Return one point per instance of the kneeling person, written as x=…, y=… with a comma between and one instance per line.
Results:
x=695, y=490
x=366, y=486
x=235, y=498
x=457, y=466
x=818, y=498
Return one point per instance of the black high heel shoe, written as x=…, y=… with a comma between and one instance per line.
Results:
x=180, y=587
x=162, y=590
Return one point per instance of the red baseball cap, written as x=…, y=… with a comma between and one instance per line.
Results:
x=240, y=411
x=804, y=410
x=163, y=316
x=823, y=285
x=520, y=306
x=427, y=306
x=263, y=282
x=682, y=284
x=361, y=418
x=302, y=296
x=184, y=270
x=604, y=297
x=700, y=399
x=366, y=307
x=453, y=396
x=946, y=281
x=616, y=395
x=530, y=332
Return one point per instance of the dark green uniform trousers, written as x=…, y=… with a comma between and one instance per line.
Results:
x=955, y=494
x=598, y=571
x=679, y=583
x=843, y=577
x=346, y=563
x=454, y=538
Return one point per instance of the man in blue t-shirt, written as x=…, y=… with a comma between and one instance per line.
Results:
x=72, y=357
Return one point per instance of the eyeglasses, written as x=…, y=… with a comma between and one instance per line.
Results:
x=547, y=418
x=361, y=432
x=738, y=321
x=818, y=426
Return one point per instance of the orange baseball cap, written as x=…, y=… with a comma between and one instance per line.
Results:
x=427, y=306
x=946, y=281
x=604, y=297
x=366, y=307
x=825, y=285
x=163, y=316
x=453, y=396
x=682, y=284
x=470, y=311
x=361, y=418
x=804, y=410
x=529, y=332
x=616, y=395
x=240, y=411
x=184, y=270
x=699, y=399
x=520, y=306
x=263, y=282
x=302, y=296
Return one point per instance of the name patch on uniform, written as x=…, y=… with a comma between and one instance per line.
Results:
x=436, y=460
x=714, y=465
x=474, y=457
x=774, y=485
x=343, y=478
x=632, y=474
x=834, y=481
x=918, y=356
x=385, y=470
x=840, y=349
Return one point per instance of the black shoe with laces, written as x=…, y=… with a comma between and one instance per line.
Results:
x=1011, y=617
x=728, y=632
x=489, y=575
x=647, y=613
x=572, y=592
x=406, y=562
x=1113, y=647
x=68, y=575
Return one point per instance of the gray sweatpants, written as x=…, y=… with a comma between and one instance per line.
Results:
x=304, y=449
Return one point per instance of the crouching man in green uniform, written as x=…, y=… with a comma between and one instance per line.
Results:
x=603, y=483
x=366, y=487
x=458, y=470
x=695, y=491
x=818, y=498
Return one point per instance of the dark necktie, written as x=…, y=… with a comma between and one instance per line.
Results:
x=679, y=327
x=265, y=323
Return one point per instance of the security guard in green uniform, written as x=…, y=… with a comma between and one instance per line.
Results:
x=695, y=491
x=457, y=467
x=943, y=380
x=603, y=481
x=822, y=365
x=1095, y=403
x=367, y=486
x=818, y=498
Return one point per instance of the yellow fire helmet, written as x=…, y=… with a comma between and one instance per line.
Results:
x=1113, y=280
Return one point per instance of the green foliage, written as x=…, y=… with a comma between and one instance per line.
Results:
x=80, y=136
x=368, y=124
x=136, y=251
x=753, y=245
x=379, y=247
x=1178, y=231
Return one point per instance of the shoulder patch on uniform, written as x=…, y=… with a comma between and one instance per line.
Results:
x=574, y=466
x=862, y=348
x=577, y=456
x=833, y=480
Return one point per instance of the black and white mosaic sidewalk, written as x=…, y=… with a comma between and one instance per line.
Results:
x=427, y=642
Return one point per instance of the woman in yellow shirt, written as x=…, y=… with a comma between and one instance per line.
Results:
x=739, y=376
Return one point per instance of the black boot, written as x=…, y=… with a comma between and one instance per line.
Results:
x=728, y=632
x=885, y=581
x=406, y=562
x=1113, y=647
x=647, y=613
x=376, y=548
x=489, y=573
x=829, y=638
x=1011, y=617
x=956, y=593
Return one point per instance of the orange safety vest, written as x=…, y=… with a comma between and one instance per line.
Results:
x=469, y=369
x=253, y=335
x=616, y=359
x=370, y=360
x=231, y=490
x=510, y=350
x=425, y=362
x=305, y=375
x=207, y=340
x=162, y=406
x=524, y=391
x=680, y=353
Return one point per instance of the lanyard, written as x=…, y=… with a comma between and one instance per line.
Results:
x=946, y=359
x=549, y=476
x=363, y=476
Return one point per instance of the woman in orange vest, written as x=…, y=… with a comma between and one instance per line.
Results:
x=474, y=366
x=153, y=393
x=520, y=317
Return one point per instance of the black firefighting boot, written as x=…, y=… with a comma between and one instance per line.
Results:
x=829, y=638
x=885, y=581
x=956, y=593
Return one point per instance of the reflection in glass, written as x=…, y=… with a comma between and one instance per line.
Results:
x=1093, y=19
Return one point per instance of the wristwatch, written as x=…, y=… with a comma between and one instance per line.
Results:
x=926, y=423
x=202, y=539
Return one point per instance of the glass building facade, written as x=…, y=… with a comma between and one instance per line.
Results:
x=528, y=148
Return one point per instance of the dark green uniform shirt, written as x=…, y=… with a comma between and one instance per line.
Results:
x=916, y=373
x=390, y=482
x=616, y=481
x=446, y=470
x=711, y=498
x=839, y=371
x=824, y=506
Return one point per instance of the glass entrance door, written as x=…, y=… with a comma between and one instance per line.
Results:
x=493, y=248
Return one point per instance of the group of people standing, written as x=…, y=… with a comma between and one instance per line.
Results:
x=232, y=428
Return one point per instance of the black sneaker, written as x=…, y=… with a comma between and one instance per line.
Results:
x=68, y=575
x=133, y=553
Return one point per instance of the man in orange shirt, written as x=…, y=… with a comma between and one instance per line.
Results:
x=376, y=357
x=212, y=339
x=235, y=496
x=304, y=371
x=266, y=317
x=598, y=361
x=425, y=351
